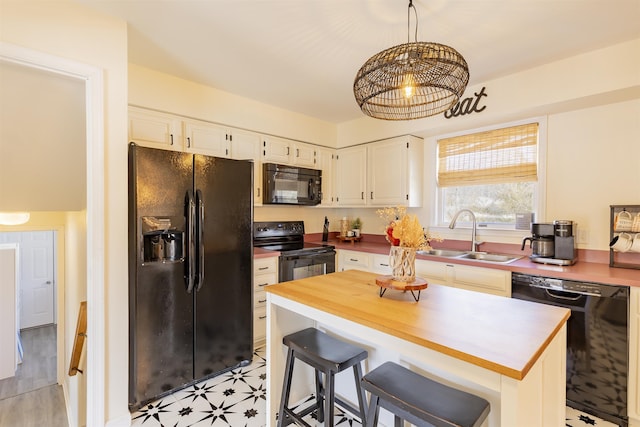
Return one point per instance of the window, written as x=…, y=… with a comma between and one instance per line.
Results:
x=494, y=173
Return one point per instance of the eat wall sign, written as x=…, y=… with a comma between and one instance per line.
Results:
x=467, y=105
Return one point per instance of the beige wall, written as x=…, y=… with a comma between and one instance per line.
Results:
x=75, y=261
x=590, y=120
x=66, y=30
x=186, y=98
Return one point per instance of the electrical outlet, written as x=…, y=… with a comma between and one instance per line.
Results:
x=582, y=237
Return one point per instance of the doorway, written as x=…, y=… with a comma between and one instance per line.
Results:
x=38, y=286
x=94, y=85
x=36, y=308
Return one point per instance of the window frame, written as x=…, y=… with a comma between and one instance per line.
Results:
x=539, y=202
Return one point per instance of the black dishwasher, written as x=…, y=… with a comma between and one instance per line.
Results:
x=597, y=340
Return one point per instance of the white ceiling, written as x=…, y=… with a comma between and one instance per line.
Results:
x=302, y=55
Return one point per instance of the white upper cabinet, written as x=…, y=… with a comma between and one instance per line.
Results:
x=245, y=145
x=207, y=138
x=154, y=129
x=326, y=158
x=304, y=155
x=351, y=176
x=383, y=173
x=283, y=151
x=276, y=150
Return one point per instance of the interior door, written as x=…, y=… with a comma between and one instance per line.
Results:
x=37, y=279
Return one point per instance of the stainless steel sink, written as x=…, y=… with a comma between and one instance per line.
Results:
x=495, y=258
x=443, y=253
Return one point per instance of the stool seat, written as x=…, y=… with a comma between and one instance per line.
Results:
x=323, y=351
x=328, y=356
x=420, y=400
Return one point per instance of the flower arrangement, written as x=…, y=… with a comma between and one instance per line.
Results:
x=404, y=229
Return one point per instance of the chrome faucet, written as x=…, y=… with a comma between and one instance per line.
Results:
x=474, y=242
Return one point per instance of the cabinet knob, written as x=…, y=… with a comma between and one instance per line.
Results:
x=189, y=142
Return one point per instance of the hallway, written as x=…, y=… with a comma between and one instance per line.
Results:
x=32, y=397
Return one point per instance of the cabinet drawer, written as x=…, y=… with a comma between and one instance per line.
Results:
x=259, y=299
x=260, y=324
x=262, y=280
x=265, y=265
x=354, y=260
x=380, y=264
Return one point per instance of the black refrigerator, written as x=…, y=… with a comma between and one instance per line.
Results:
x=190, y=269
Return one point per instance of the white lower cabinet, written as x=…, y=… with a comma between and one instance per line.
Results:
x=487, y=280
x=265, y=272
x=353, y=260
x=634, y=358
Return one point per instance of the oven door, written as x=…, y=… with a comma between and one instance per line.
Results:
x=293, y=267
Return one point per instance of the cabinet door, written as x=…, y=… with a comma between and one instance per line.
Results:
x=206, y=138
x=304, y=155
x=487, y=280
x=433, y=272
x=326, y=160
x=153, y=129
x=245, y=145
x=351, y=176
x=387, y=168
x=276, y=150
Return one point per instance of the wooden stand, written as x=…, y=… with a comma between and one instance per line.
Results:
x=350, y=239
x=387, y=282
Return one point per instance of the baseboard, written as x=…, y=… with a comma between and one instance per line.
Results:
x=65, y=394
x=123, y=421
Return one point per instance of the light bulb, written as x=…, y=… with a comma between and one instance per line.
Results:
x=408, y=85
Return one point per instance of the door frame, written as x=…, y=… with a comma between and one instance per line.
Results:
x=93, y=78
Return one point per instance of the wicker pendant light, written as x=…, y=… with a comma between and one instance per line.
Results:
x=411, y=80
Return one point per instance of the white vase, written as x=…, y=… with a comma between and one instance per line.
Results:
x=403, y=263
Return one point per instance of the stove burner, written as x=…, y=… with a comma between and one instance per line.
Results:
x=286, y=237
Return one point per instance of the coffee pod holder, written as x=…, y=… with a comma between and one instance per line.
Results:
x=624, y=224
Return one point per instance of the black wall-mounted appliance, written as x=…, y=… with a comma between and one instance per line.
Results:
x=291, y=185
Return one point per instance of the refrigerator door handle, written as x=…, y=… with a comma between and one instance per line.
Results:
x=200, y=243
x=190, y=213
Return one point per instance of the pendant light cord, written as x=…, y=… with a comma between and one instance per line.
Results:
x=415, y=37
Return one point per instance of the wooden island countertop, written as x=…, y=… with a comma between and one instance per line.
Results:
x=503, y=335
x=510, y=352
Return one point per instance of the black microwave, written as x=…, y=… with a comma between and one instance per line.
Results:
x=291, y=185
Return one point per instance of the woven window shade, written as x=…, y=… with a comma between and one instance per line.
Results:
x=496, y=156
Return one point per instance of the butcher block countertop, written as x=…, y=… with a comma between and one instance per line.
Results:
x=500, y=334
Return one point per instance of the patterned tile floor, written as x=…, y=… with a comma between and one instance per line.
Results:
x=238, y=398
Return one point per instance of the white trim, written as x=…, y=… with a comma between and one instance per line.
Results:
x=541, y=194
x=95, y=96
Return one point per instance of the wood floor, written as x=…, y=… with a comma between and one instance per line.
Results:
x=32, y=397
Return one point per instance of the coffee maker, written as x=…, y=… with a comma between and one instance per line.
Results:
x=552, y=243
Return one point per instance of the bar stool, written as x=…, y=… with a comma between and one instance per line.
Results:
x=328, y=356
x=420, y=400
